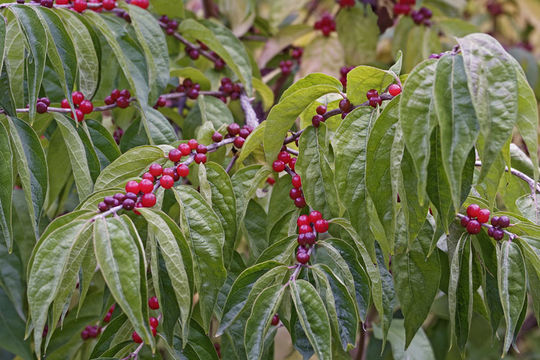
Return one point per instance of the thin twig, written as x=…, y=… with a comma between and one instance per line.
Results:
x=231, y=163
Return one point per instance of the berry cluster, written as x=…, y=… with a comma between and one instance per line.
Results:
x=343, y=75
x=90, y=332
x=326, y=24
x=346, y=3
x=42, y=105
x=308, y=228
x=96, y=5
x=230, y=89
x=240, y=134
x=295, y=53
x=108, y=316
x=498, y=224
x=286, y=66
x=154, y=322
x=82, y=106
x=422, y=16
x=475, y=218
x=403, y=7
x=317, y=119
x=373, y=98
x=190, y=88
x=170, y=24
x=119, y=97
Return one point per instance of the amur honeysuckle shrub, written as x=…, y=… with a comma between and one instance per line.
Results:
x=157, y=202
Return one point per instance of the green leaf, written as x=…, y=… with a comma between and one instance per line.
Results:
x=152, y=40
x=313, y=317
x=532, y=262
x=30, y=160
x=314, y=168
x=175, y=251
x=512, y=281
x=173, y=8
x=48, y=268
x=77, y=155
x=87, y=59
x=417, y=280
x=104, y=145
x=256, y=224
x=285, y=36
x=60, y=51
x=246, y=287
x=417, y=118
x=281, y=251
x=203, y=228
x=12, y=329
x=119, y=259
x=213, y=110
x=309, y=81
x=493, y=87
x=224, y=204
x=6, y=187
x=266, y=94
x=245, y=182
x=194, y=74
x=378, y=157
x=460, y=291
x=358, y=33
x=258, y=323
x=363, y=78
x=199, y=345
x=457, y=120
x=34, y=35
x=282, y=116
x=128, y=166
x=419, y=348
x=15, y=64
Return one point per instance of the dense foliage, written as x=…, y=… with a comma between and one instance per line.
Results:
x=203, y=180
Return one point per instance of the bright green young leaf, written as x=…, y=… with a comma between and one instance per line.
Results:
x=104, y=145
x=203, y=229
x=363, y=78
x=311, y=80
x=313, y=317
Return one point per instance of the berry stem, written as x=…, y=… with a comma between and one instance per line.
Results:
x=292, y=151
x=512, y=236
x=231, y=163
x=135, y=354
x=189, y=44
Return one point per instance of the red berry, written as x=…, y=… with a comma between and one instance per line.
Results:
x=345, y=105
x=107, y=317
x=296, y=181
x=473, y=227
x=128, y=204
x=62, y=2
x=109, y=100
x=374, y=101
x=316, y=120
x=302, y=257
x=132, y=187
x=154, y=332
x=504, y=221
x=321, y=226
x=495, y=221
x=275, y=320
x=148, y=200
x=200, y=158
x=146, y=186
x=41, y=107
x=239, y=142
x=193, y=144
x=314, y=216
x=300, y=202
x=321, y=110
x=166, y=181
x=473, y=210
x=184, y=148
x=233, y=129
x=310, y=238
x=102, y=207
x=109, y=4
x=490, y=231
x=169, y=171
x=217, y=137
x=153, y=303
x=79, y=5
x=86, y=106
x=140, y=3
x=65, y=104
x=302, y=220
x=201, y=149
x=483, y=216
x=284, y=156
x=294, y=193
x=498, y=234
x=270, y=180
x=77, y=115
x=122, y=102
x=292, y=163
x=304, y=228
x=77, y=96
x=136, y=338
x=115, y=94
x=372, y=93
x=278, y=166
x=394, y=89
x=182, y=170
x=153, y=322
x=175, y=155
x=301, y=239
x=155, y=169
x=465, y=221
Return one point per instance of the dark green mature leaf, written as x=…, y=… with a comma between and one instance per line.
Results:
x=350, y=145
x=460, y=291
x=255, y=225
x=265, y=273
x=60, y=51
x=34, y=35
x=129, y=165
x=282, y=116
x=314, y=168
x=493, y=86
x=203, y=228
x=280, y=250
x=258, y=323
x=119, y=260
x=457, y=120
x=532, y=262
x=104, y=145
x=417, y=280
x=224, y=204
x=378, y=157
x=30, y=160
x=512, y=281
x=277, y=208
x=358, y=33
x=152, y=40
x=245, y=182
x=313, y=317
x=417, y=118
x=199, y=345
x=77, y=155
x=87, y=59
x=15, y=64
x=12, y=329
x=177, y=257
x=47, y=269
x=363, y=78
x=6, y=186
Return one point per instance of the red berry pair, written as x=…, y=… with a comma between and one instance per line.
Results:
x=374, y=98
x=317, y=119
x=42, y=105
x=190, y=88
x=90, y=332
x=108, y=316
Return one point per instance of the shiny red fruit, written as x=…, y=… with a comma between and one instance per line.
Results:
x=166, y=181
x=136, y=338
x=483, y=216
x=155, y=169
x=472, y=210
x=182, y=170
x=148, y=200
x=132, y=187
x=394, y=89
x=153, y=303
